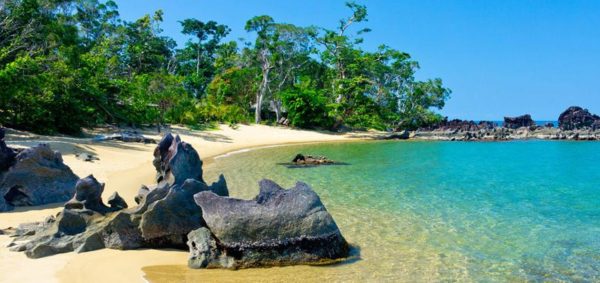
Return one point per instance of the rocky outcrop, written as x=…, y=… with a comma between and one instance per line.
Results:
x=279, y=227
x=458, y=125
x=36, y=176
x=125, y=136
x=311, y=160
x=518, y=122
x=165, y=215
x=578, y=118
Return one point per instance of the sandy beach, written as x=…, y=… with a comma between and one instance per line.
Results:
x=124, y=167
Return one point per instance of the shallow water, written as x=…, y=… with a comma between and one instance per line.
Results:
x=438, y=211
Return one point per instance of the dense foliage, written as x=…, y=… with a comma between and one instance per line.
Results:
x=68, y=64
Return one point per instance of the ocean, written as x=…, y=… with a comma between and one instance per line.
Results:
x=441, y=211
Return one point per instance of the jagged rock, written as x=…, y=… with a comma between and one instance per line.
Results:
x=88, y=195
x=116, y=202
x=204, y=251
x=278, y=227
x=175, y=215
x=176, y=161
x=38, y=176
x=311, y=160
x=165, y=215
x=518, y=122
x=460, y=125
x=576, y=117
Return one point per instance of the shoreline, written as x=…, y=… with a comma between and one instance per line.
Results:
x=124, y=167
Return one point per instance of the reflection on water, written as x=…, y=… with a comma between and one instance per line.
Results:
x=435, y=211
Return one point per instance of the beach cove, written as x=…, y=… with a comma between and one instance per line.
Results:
x=414, y=210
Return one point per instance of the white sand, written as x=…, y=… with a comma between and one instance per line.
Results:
x=124, y=167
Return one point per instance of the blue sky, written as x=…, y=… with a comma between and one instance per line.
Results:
x=499, y=57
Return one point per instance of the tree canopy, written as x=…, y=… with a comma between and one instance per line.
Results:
x=69, y=64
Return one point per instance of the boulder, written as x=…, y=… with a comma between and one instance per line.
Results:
x=165, y=214
x=279, y=227
x=176, y=161
x=38, y=176
x=576, y=117
x=88, y=195
x=518, y=122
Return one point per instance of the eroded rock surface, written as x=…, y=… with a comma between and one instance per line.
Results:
x=165, y=215
x=279, y=227
x=35, y=176
x=518, y=122
x=576, y=117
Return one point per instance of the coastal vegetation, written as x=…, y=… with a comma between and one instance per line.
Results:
x=70, y=64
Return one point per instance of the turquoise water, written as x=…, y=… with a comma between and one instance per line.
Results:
x=438, y=211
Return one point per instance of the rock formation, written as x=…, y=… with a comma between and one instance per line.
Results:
x=518, y=122
x=35, y=176
x=279, y=227
x=7, y=154
x=578, y=118
x=311, y=160
x=163, y=218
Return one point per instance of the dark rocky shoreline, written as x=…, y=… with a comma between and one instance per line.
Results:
x=575, y=123
x=278, y=227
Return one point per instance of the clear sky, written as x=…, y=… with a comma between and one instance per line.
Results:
x=499, y=57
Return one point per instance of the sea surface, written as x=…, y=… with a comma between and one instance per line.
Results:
x=439, y=211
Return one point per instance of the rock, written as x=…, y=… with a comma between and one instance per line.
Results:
x=403, y=135
x=518, y=122
x=165, y=215
x=279, y=227
x=170, y=219
x=116, y=202
x=577, y=118
x=125, y=136
x=7, y=154
x=88, y=195
x=86, y=157
x=38, y=176
x=549, y=125
x=176, y=161
x=204, y=252
x=311, y=160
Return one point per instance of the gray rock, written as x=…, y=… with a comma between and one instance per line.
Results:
x=116, y=202
x=88, y=195
x=278, y=227
x=38, y=176
x=204, y=252
x=165, y=215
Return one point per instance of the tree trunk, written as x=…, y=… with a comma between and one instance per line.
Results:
x=262, y=90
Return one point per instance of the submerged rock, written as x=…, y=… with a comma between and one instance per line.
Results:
x=576, y=117
x=518, y=122
x=311, y=160
x=38, y=176
x=279, y=227
x=165, y=214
